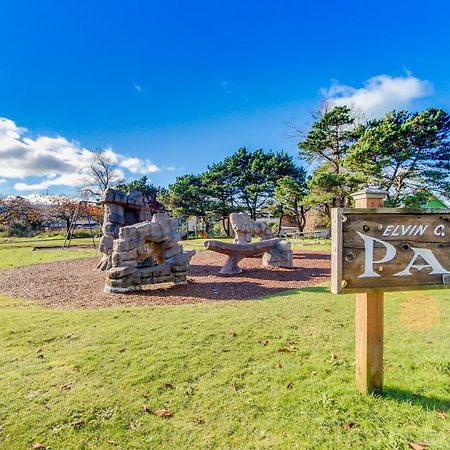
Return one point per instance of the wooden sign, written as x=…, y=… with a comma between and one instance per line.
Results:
x=386, y=249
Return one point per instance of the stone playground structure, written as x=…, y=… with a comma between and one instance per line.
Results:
x=147, y=253
x=275, y=252
x=139, y=249
x=120, y=209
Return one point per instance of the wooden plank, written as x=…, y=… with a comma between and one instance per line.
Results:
x=336, y=251
x=418, y=240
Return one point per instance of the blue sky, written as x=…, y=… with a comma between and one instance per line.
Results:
x=172, y=86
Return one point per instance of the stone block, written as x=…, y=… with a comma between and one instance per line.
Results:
x=108, y=196
x=128, y=255
x=174, y=251
x=178, y=268
x=120, y=283
x=145, y=214
x=121, y=245
x=128, y=233
x=115, y=218
x=114, y=208
x=155, y=232
x=121, y=272
x=111, y=229
x=115, y=259
x=279, y=256
x=163, y=279
x=120, y=198
x=135, y=198
x=106, y=244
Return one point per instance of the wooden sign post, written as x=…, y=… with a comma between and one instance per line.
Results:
x=369, y=318
x=377, y=249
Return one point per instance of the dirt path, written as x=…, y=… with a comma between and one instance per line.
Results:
x=76, y=284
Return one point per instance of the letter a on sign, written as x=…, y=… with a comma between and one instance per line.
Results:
x=428, y=256
x=369, y=243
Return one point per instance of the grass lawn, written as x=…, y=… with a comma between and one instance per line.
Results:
x=82, y=379
x=15, y=252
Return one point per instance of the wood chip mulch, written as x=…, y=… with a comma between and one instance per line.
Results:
x=77, y=284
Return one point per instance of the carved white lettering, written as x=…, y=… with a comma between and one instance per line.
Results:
x=405, y=230
x=388, y=230
x=420, y=230
x=428, y=256
x=439, y=231
x=412, y=230
x=369, y=243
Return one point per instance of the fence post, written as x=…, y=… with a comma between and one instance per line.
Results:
x=369, y=317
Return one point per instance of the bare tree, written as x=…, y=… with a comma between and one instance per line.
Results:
x=63, y=208
x=101, y=173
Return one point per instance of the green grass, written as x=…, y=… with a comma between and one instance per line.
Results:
x=15, y=252
x=79, y=379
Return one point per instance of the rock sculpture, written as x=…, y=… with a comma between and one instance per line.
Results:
x=120, y=209
x=275, y=252
x=244, y=227
x=147, y=253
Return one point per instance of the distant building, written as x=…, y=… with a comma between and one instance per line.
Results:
x=434, y=202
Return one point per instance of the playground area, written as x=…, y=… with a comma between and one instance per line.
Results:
x=76, y=283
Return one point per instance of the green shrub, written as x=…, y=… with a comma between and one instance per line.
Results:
x=81, y=233
x=20, y=229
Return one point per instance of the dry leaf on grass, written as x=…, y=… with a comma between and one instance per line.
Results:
x=414, y=446
x=146, y=408
x=164, y=413
x=65, y=387
x=264, y=341
x=284, y=350
x=133, y=425
x=347, y=425
x=78, y=423
x=37, y=445
x=441, y=414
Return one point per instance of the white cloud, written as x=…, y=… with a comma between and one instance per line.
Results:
x=136, y=165
x=52, y=161
x=379, y=95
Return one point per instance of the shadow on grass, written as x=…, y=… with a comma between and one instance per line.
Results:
x=315, y=289
x=424, y=401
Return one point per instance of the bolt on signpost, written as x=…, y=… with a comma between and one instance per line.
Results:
x=376, y=249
